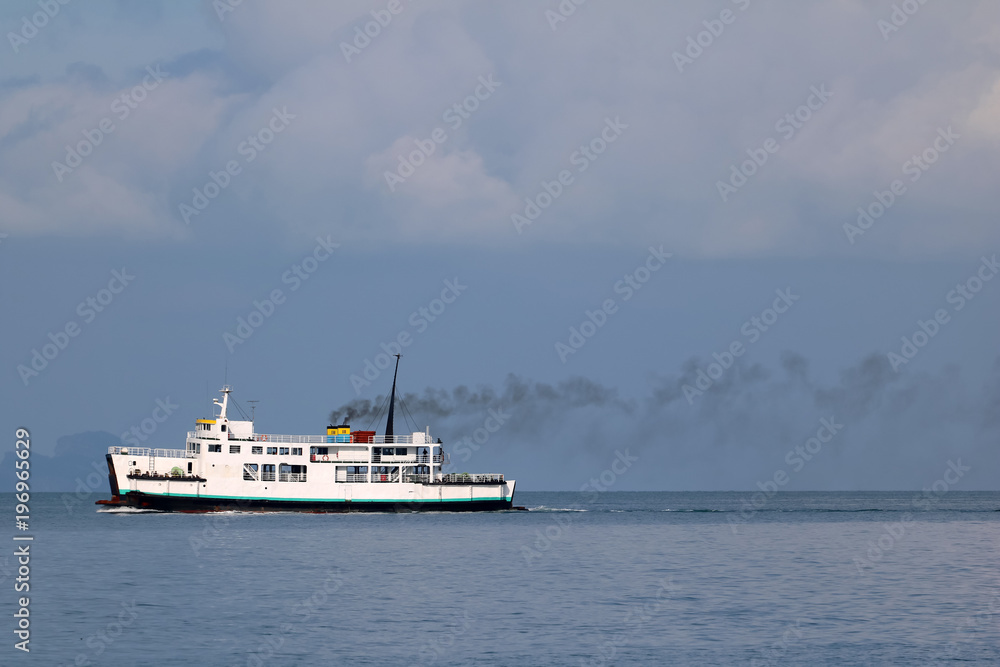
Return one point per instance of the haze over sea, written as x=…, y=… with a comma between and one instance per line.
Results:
x=623, y=578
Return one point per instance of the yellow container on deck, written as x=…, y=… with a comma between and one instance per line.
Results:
x=338, y=434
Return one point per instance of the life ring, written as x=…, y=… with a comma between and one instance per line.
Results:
x=263, y=438
x=326, y=458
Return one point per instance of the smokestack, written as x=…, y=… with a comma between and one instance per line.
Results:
x=392, y=400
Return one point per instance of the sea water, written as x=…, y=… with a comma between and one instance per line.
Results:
x=598, y=579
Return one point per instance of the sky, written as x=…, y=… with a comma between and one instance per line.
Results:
x=726, y=240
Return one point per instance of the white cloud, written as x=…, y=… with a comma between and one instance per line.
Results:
x=686, y=129
x=89, y=167
x=449, y=195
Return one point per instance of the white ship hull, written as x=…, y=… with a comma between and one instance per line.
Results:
x=224, y=489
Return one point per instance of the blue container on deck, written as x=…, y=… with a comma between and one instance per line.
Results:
x=340, y=433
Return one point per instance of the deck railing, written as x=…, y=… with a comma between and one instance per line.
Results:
x=437, y=458
x=469, y=478
x=292, y=477
x=146, y=451
x=344, y=457
x=320, y=439
x=392, y=458
x=390, y=439
x=275, y=437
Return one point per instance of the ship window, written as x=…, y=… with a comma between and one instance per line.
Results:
x=283, y=451
x=400, y=451
x=272, y=450
x=267, y=472
x=189, y=467
x=250, y=472
x=296, y=451
x=257, y=449
x=322, y=450
x=215, y=448
x=290, y=473
x=234, y=449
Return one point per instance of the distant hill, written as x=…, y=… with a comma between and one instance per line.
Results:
x=77, y=468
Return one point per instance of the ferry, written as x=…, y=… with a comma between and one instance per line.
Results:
x=226, y=465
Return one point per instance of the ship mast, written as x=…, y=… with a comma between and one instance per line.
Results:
x=392, y=401
x=224, y=403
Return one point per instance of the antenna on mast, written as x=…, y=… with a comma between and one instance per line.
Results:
x=253, y=408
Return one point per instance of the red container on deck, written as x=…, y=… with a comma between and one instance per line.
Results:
x=366, y=437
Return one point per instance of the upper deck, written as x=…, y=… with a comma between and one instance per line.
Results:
x=414, y=439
